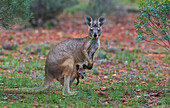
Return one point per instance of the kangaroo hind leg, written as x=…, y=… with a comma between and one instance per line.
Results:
x=66, y=88
x=67, y=74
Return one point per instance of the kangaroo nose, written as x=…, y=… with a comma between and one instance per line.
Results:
x=95, y=35
x=82, y=77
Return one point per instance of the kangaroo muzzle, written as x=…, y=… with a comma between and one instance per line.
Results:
x=95, y=35
x=82, y=77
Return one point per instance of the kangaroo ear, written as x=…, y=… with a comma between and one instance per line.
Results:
x=77, y=67
x=88, y=20
x=84, y=66
x=101, y=20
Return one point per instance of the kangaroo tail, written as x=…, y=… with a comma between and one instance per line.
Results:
x=44, y=86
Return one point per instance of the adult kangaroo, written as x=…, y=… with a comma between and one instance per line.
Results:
x=62, y=58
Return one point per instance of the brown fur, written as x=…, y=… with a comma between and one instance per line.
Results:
x=62, y=58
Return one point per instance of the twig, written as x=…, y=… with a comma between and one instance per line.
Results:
x=158, y=44
x=162, y=41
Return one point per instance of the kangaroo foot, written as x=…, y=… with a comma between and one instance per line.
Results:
x=70, y=93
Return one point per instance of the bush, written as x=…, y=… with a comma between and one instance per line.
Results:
x=154, y=21
x=96, y=8
x=44, y=10
x=14, y=12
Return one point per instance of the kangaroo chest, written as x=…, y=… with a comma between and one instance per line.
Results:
x=93, y=47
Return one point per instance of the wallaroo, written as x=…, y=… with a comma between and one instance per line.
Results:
x=62, y=58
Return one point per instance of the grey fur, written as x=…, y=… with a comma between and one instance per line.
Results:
x=61, y=59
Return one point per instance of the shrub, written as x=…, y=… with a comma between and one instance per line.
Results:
x=96, y=8
x=154, y=21
x=13, y=12
x=44, y=10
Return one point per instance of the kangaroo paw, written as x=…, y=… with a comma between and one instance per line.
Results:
x=89, y=66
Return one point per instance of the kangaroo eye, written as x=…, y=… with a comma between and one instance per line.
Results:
x=91, y=29
x=98, y=29
x=77, y=67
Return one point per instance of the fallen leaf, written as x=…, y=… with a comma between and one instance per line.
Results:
x=102, y=93
x=5, y=98
x=105, y=77
x=102, y=88
x=138, y=96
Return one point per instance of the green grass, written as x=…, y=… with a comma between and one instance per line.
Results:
x=129, y=88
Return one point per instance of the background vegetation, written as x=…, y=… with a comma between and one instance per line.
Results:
x=39, y=12
x=154, y=21
x=127, y=73
x=14, y=12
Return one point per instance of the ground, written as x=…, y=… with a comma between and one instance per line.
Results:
x=126, y=72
